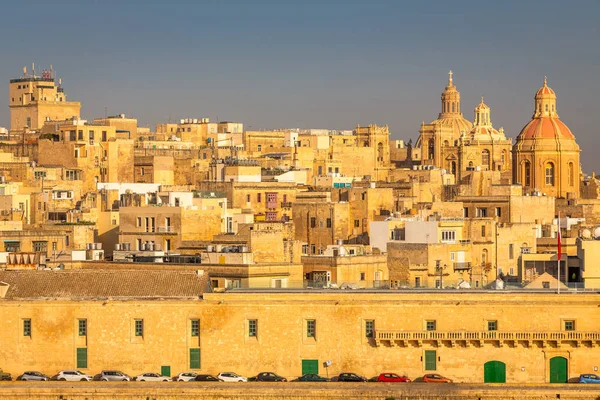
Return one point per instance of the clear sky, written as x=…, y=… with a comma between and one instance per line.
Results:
x=313, y=64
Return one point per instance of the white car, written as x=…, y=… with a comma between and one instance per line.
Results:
x=152, y=377
x=71, y=375
x=185, y=377
x=231, y=377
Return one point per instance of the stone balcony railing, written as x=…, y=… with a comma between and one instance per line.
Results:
x=416, y=338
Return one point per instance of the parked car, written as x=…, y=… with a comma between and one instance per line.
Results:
x=71, y=375
x=311, y=378
x=5, y=376
x=152, y=377
x=113, y=375
x=268, y=377
x=185, y=377
x=350, y=377
x=231, y=377
x=207, y=378
x=436, y=378
x=33, y=376
x=589, y=378
x=391, y=377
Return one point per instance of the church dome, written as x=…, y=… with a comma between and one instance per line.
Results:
x=545, y=123
x=451, y=119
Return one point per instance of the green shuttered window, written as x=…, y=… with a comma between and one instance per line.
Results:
x=195, y=358
x=82, y=358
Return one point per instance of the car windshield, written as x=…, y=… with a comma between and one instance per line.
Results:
x=80, y=373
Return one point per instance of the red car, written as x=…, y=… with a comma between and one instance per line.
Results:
x=435, y=378
x=391, y=377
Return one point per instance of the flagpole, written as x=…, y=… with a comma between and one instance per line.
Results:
x=558, y=252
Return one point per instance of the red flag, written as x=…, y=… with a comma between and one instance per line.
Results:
x=559, y=246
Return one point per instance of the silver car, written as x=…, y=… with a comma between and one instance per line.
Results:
x=113, y=375
x=33, y=376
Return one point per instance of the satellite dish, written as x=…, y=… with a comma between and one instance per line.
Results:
x=586, y=234
x=597, y=233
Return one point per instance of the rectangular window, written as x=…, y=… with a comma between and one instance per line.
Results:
x=104, y=136
x=481, y=212
x=313, y=222
x=247, y=198
x=195, y=327
x=252, y=328
x=356, y=223
x=329, y=222
x=465, y=212
x=82, y=327
x=259, y=197
x=418, y=281
x=370, y=328
x=82, y=357
x=482, y=230
x=313, y=248
x=430, y=325
x=362, y=276
x=259, y=147
x=80, y=135
x=40, y=247
x=492, y=325
x=511, y=251
x=430, y=360
x=498, y=212
x=448, y=236
x=304, y=249
x=194, y=358
x=26, y=327
x=139, y=327
x=311, y=328
x=569, y=325
x=452, y=256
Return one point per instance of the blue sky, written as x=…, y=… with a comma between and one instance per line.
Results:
x=320, y=64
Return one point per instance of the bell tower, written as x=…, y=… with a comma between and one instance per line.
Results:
x=450, y=99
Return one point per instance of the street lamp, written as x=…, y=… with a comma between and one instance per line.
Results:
x=440, y=269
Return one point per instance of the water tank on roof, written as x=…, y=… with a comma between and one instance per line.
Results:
x=195, y=120
x=586, y=234
x=181, y=121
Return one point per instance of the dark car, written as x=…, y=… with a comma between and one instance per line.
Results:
x=350, y=377
x=5, y=376
x=311, y=378
x=269, y=377
x=207, y=378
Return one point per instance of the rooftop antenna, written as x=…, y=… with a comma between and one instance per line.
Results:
x=105, y=112
x=33, y=69
x=51, y=72
x=25, y=70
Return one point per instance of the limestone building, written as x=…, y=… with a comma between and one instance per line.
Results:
x=482, y=148
x=438, y=141
x=33, y=99
x=546, y=155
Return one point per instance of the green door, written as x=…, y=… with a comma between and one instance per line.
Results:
x=494, y=372
x=430, y=360
x=82, y=357
x=310, y=367
x=165, y=370
x=194, y=358
x=558, y=370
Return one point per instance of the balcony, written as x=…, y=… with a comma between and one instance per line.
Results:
x=271, y=205
x=478, y=338
x=286, y=204
x=165, y=229
x=462, y=266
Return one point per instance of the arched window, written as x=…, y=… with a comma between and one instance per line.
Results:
x=570, y=174
x=446, y=143
x=452, y=106
x=453, y=167
x=549, y=174
x=484, y=257
x=503, y=157
x=379, y=151
x=552, y=107
x=546, y=107
x=431, y=148
x=485, y=159
x=470, y=163
x=527, y=173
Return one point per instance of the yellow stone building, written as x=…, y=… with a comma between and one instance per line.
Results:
x=168, y=321
x=545, y=154
x=438, y=141
x=34, y=99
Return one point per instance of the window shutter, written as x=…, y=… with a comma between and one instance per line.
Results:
x=82, y=357
x=195, y=358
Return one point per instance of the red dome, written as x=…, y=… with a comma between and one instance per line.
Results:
x=545, y=90
x=546, y=128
